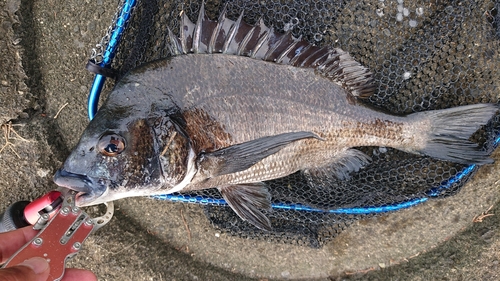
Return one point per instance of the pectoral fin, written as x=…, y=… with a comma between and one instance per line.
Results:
x=242, y=156
x=246, y=200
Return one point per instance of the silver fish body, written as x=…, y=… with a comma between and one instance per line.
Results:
x=228, y=121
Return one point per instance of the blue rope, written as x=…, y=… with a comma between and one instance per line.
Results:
x=295, y=207
x=352, y=211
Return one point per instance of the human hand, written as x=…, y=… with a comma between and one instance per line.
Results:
x=34, y=269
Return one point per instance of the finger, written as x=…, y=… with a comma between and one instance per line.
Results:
x=34, y=269
x=10, y=242
x=73, y=274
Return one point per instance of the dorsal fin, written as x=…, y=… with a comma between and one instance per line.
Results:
x=261, y=42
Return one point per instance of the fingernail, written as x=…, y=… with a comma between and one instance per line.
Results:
x=38, y=265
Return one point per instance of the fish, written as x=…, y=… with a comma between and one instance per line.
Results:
x=237, y=105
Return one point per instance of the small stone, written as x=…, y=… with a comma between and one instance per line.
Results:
x=13, y=6
x=91, y=26
x=285, y=274
x=23, y=115
x=42, y=173
x=487, y=237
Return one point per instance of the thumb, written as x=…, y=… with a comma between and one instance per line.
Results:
x=34, y=269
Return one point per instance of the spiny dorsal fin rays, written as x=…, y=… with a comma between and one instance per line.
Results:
x=301, y=47
x=283, y=41
x=203, y=38
x=242, y=48
x=198, y=28
x=175, y=44
x=319, y=57
x=219, y=33
x=287, y=50
x=230, y=46
x=215, y=32
x=258, y=52
x=262, y=42
x=186, y=33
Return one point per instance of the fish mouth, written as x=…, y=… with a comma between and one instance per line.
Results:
x=89, y=191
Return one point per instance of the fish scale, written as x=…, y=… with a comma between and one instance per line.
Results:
x=267, y=89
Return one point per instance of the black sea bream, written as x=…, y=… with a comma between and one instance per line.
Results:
x=238, y=105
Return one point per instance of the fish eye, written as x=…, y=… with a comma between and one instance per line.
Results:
x=111, y=144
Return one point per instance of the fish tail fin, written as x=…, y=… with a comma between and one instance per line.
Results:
x=450, y=130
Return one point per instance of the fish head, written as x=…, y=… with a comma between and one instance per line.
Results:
x=122, y=154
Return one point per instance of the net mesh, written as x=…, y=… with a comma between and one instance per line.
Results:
x=425, y=55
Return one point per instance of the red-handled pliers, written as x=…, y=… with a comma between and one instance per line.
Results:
x=63, y=229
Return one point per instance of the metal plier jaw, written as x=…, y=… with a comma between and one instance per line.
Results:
x=63, y=230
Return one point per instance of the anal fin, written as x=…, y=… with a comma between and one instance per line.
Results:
x=341, y=166
x=246, y=200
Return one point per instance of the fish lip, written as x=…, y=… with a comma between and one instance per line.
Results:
x=88, y=189
x=87, y=199
x=76, y=182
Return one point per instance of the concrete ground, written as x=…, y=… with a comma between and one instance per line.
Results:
x=43, y=90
